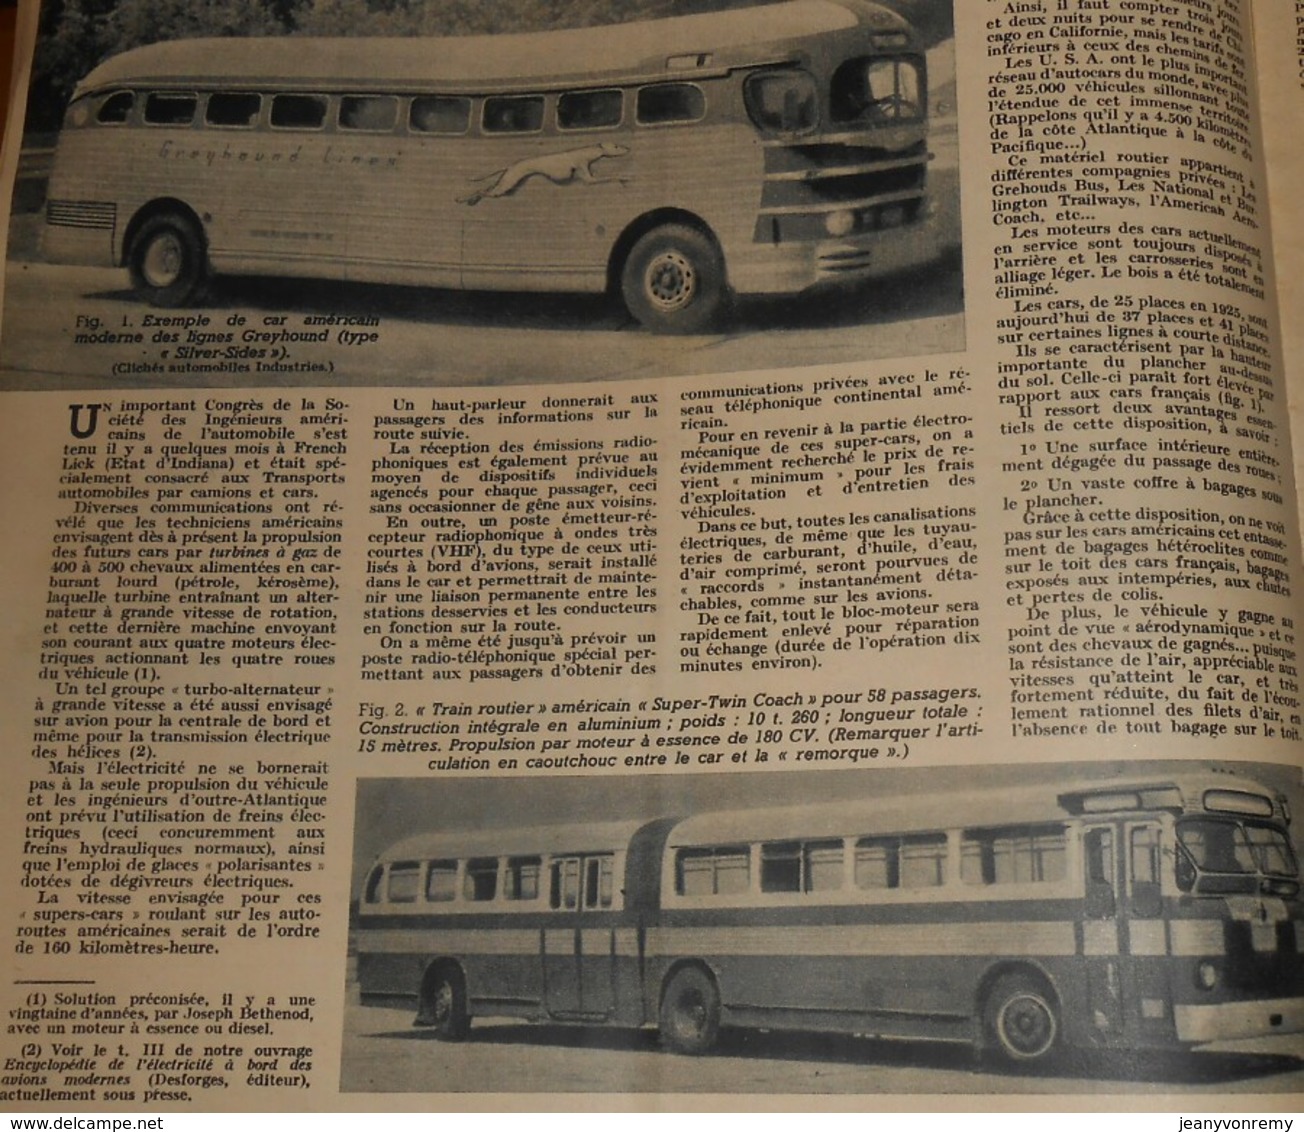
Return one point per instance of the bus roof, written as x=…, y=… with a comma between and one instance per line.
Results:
x=978, y=808
x=679, y=46
x=515, y=841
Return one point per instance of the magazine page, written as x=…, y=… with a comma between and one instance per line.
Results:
x=1279, y=51
x=654, y=555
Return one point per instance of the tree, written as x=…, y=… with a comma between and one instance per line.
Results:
x=75, y=35
x=137, y=22
x=70, y=41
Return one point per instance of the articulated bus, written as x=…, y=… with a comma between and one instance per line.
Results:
x=1159, y=913
x=675, y=161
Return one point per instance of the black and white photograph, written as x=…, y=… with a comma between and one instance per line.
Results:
x=1020, y=929
x=318, y=193
x=561, y=557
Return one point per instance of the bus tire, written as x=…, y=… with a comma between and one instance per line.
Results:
x=1021, y=1020
x=690, y=1012
x=673, y=281
x=167, y=263
x=444, y=1009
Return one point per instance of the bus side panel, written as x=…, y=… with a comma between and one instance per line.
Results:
x=360, y=209
x=544, y=213
x=594, y=973
x=389, y=969
x=520, y=965
x=84, y=219
x=396, y=195
x=889, y=971
x=291, y=202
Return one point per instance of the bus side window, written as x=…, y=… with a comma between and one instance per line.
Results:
x=298, y=111
x=116, y=109
x=514, y=114
x=233, y=108
x=481, y=879
x=565, y=888
x=441, y=881
x=170, y=109
x=371, y=890
x=521, y=881
x=1031, y=855
x=915, y=861
x=923, y=861
x=589, y=109
x=876, y=862
x=663, y=103
x=795, y=866
x=372, y=112
x=822, y=865
x=402, y=882
x=713, y=872
x=782, y=101
x=598, y=882
x=781, y=866
x=439, y=114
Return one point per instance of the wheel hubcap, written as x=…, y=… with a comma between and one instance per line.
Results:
x=443, y=1004
x=1027, y=1026
x=671, y=281
x=163, y=260
x=692, y=1014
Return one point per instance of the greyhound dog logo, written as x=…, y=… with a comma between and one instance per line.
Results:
x=574, y=166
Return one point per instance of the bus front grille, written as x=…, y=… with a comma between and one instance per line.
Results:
x=816, y=190
x=844, y=260
x=81, y=213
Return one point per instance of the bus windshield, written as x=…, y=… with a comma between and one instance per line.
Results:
x=1223, y=855
x=877, y=90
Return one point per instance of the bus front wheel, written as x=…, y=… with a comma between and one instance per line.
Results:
x=673, y=281
x=167, y=264
x=444, y=1007
x=690, y=1011
x=1022, y=1020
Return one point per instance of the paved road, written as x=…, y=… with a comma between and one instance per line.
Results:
x=383, y=1053
x=445, y=339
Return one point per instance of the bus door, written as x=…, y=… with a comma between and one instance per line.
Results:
x=578, y=952
x=1124, y=934
x=1147, y=1002
x=1102, y=932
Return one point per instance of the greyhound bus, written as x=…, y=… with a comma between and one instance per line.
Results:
x=1157, y=913
x=674, y=162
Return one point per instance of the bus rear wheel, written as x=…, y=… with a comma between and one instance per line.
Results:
x=1022, y=1020
x=673, y=281
x=690, y=1012
x=167, y=264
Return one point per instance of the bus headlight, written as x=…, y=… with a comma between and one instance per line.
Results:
x=1206, y=975
x=840, y=223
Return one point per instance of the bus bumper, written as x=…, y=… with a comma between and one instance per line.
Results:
x=792, y=268
x=1227, y=1021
